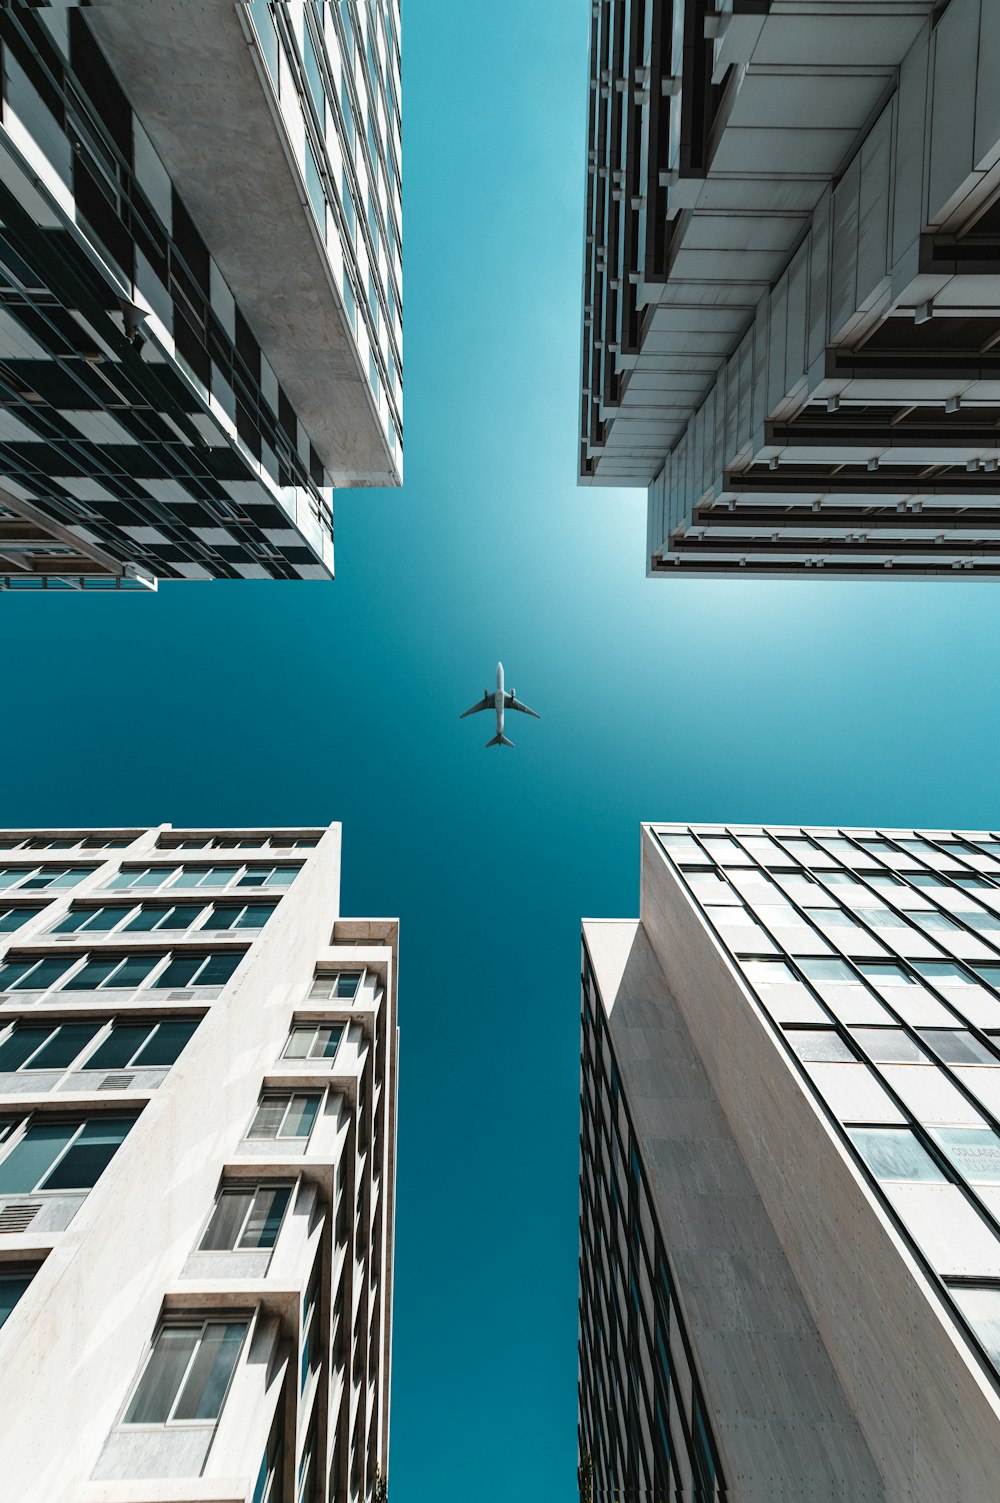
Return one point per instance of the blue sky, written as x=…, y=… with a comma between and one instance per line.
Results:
x=822, y=701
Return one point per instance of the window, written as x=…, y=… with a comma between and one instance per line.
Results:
x=199, y=970
x=187, y=1374
x=149, y=1045
x=141, y=876
x=975, y=884
x=99, y=919
x=894, y=1153
x=36, y=878
x=815, y=1044
x=33, y=975
x=890, y=1046
x=206, y=876
x=112, y=972
x=268, y=876
x=885, y=881
x=62, y=1155
x=981, y=1308
x=309, y=1343
x=884, y=973
x=974, y=1151
x=284, y=1116
x=957, y=1047
x=13, y=918
x=313, y=1041
x=247, y=1218
x=336, y=984
x=935, y=922
x=181, y=916
x=12, y=1286
x=979, y=919
x=46, y=1048
x=828, y=970
x=238, y=916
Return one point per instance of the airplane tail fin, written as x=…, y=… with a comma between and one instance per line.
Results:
x=499, y=741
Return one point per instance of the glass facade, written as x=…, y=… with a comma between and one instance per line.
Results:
x=874, y=957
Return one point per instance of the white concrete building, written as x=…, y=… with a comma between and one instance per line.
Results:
x=790, y=1170
x=200, y=285
x=197, y=1170
x=791, y=300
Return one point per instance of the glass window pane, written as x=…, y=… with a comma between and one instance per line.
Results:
x=347, y=983
x=975, y=1151
x=227, y=1219
x=299, y=1042
x=45, y=974
x=818, y=1044
x=30, y=1160
x=13, y=918
x=217, y=969
x=132, y=971
x=327, y=1041
x=828, y=970
x=145, y=919
x=265, y=1218
x=20, y=1045
x=893, y=1153
x=301, y=1116
x=11, y=973
x=255, y=915
x=885, y=974
x=64, y=1045
x=72, y=921
x=179, y=972
x=119, y=1047
x=889, y=1046
x=956, y=1047
x=102, y=919
x=166, y=1043
x=981, y=1308
x=283, y=876
x=12, y=1286
x=92, y=973
x=223, y=916
x=206, y=1383
x=154, y=1397
x=83, y=1164
x=268, y=1117
x=218, y=876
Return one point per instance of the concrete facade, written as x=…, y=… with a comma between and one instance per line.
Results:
x=205, y=1311
x=791, y=1080
x=201, y=316
x=791, y=304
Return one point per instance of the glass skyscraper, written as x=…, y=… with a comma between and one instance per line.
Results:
x=790, y=1169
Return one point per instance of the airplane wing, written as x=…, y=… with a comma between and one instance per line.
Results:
x=484, y=704
x=515, y=704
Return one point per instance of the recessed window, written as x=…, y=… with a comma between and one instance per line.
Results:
x=187, y=1374
x=284, y=1116
x=112, y=972
x=238, y=916
x=247, y=1218
x=97, y=919
x=55, y=1047
x=33, y=975
x=149, y=1045
x=819, y=1044
x=198, y=970
x=13, y=918
x=149, y=917
x=313, y=1041
x=65, y=1155
x=336, y=984
x=35, y=878
x=13, y=1284
x=894, y=1153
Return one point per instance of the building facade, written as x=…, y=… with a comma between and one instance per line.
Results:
x=791, y=302
x=197, y=1169
x=200, y=274
x=790, y=1170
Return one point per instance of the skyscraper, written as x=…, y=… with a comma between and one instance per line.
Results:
x=790, y=1169
x=200, y=273
x=197, y=1169
x=791, y=301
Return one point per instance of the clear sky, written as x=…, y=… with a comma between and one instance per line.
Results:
x=251, y=704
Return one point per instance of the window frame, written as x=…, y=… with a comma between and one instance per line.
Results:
x=288, y=1096
x=242, y=1187
x=180, y=1322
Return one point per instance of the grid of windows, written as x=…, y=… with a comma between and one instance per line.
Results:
x=102, y=971
x=17, y=842
x=202, y=876
x=150, y=916
x=644, y=1430
x=876, y=958
x=272, y=842
x=42, y=878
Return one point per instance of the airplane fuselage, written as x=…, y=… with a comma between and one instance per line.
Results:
x=499, y=699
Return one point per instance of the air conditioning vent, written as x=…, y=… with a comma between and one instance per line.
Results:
x=117, y=1082
x=17, y=1216
x=184, y=996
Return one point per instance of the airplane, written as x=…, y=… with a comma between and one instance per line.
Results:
x=503, y=699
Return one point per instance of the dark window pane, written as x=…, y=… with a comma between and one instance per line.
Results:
x=154, y=1397
x=46, y=973
x=119, y=1047
x=22, y=1042
x=72, y=921
x=166, y=1043
x=13, y=918
x=133, y=970
x=217, y=969
x=146, y=918
x=83, y=1164
x=11, y=973
x=179, y=972
x=208, y=1379
x=12, y=1286
x=92, y=974
x=31, y=1159
x=256, y=916
x=223, y=916
x=64, y=1046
